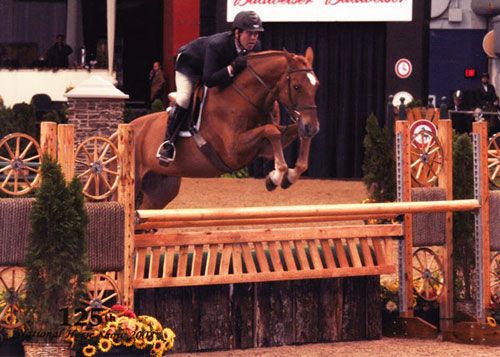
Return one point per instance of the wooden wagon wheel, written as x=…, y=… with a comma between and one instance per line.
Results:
x=494, y=160
x=428, y=274
x=495, y=278
x=20, y=157
x=426, y=155
x=97, y=161
x=102, y=293
x=12, y=293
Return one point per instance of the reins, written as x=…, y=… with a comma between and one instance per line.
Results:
x=295, y=109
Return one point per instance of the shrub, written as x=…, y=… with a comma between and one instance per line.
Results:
x=379, y=167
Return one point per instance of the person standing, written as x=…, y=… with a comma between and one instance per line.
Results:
x=215, y=61
x=486, y=96
x=157, y=83
x=57, y=54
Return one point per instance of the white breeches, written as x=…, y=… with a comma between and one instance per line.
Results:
x=185, y=87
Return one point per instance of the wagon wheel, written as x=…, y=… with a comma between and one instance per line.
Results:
x=20, y=157
x=12, y=293
x=494, y=160
x=428, y=274
x=102, y=293
x=495, y=278
x=97, y=161
x=426, y=156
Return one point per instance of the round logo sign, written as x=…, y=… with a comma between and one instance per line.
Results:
x=424, y=128
x=403, y=68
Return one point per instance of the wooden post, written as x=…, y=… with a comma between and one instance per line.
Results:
x=66, y=150
x=481, y=128
x=48, y=138
x=126, y=196
x=445, y=180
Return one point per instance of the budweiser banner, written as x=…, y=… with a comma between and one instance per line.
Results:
x=324, y=10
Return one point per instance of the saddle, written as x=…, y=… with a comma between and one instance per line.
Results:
x=190, y=127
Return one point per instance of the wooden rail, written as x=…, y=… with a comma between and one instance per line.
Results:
x=345, y=210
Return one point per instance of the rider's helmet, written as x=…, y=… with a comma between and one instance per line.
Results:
x=247, y=21
x=458, y=94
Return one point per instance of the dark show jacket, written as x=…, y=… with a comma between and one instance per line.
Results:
x=485, y=98
x=208, y=58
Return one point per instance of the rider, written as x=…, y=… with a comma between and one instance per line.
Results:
x=214, y=60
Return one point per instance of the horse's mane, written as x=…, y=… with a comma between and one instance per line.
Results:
x=274, y=53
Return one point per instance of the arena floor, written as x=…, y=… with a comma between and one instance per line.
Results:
x=229, y=192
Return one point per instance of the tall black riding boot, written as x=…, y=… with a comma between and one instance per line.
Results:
x=166, y=151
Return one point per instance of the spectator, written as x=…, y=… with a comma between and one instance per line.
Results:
x=486, y=97
x=461, y=121
x=57, y=54
x=157, y=83
x=2, y=106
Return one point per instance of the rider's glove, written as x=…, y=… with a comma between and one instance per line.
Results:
x=239, y=64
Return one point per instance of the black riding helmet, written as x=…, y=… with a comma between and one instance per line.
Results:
x=247, y=21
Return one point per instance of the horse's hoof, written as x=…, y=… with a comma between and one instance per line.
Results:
x=270, y=185
x=285, y=183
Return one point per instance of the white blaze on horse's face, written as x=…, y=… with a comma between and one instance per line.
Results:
x=312, y=78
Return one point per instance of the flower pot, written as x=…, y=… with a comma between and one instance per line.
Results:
x=35, y=349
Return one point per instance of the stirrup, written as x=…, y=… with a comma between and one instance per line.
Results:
x=165, y=160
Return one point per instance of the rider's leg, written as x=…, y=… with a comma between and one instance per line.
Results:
x=185, y=86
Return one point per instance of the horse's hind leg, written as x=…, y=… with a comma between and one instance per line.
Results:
x=301, y=165
x=158, y=190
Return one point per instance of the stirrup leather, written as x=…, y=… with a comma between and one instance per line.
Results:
x=164, y=159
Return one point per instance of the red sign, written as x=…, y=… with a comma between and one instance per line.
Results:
x=470, y=73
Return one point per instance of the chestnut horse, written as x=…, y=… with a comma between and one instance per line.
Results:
x=236, y=123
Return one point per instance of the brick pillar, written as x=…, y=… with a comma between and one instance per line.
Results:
x=96, y=108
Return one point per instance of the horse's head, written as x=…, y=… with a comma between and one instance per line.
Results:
x=297, y=92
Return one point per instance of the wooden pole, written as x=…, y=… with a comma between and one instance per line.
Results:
x=357, y=209
x=445, y=180
x=66, y=150
x=481, y=128
x=48, y=138
x=126, y=197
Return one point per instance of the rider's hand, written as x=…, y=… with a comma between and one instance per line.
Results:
x=239, y=64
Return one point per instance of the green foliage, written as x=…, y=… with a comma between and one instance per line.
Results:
x=23, y=120
x=157, y=106
x=56, y=259
x=241, y=173
x=463, y=222
x=57, y=116
x=379, y=167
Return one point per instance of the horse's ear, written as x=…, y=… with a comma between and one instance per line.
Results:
x=309, y=55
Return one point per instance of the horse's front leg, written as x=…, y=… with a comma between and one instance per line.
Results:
x=301, y=164
x=253, y=138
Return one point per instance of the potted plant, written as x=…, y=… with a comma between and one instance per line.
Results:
x=56, y=261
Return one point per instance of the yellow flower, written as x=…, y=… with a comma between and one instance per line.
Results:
x=89, y=351
x=158, y=346
x=71, y=340
x=150, y=337
x=391, y=306
x=128, y=341
x=104, y=344
x=115, y=340
x=168, y=334
x=140, y=344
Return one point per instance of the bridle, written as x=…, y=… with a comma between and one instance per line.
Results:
x=294, y=110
